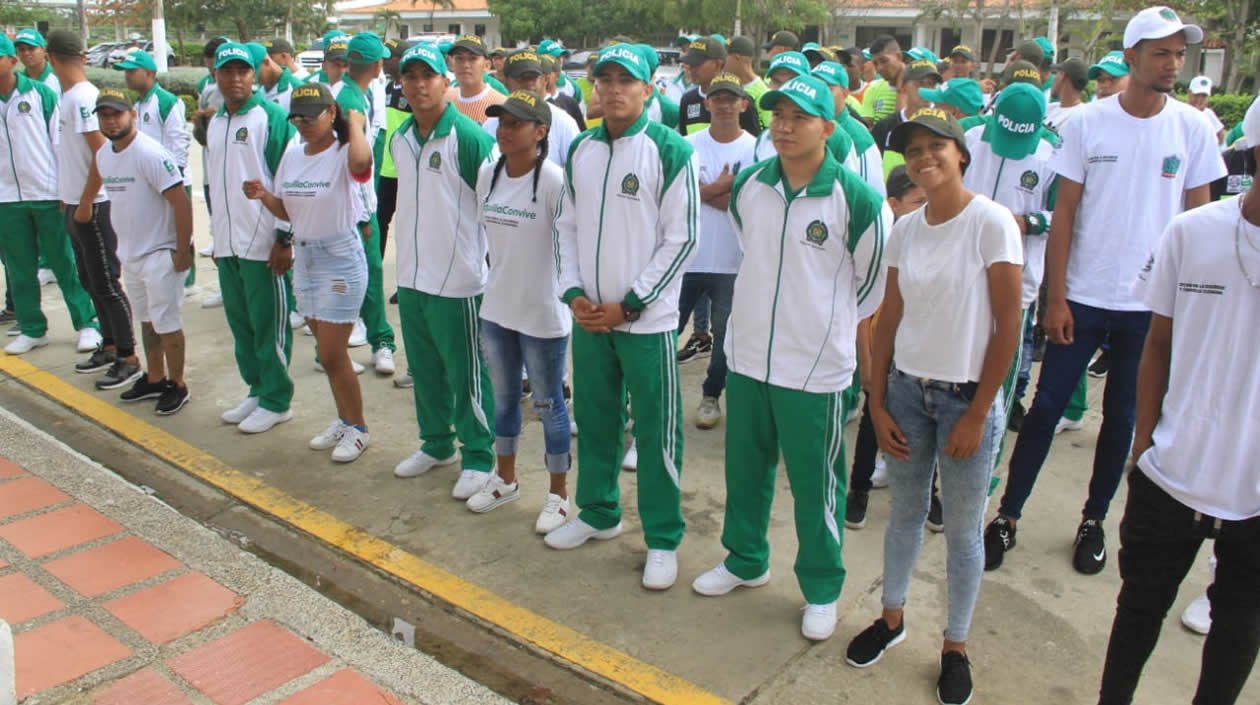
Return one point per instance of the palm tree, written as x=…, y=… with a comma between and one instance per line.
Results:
x=390, y=18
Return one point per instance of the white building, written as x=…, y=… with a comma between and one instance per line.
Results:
x=422, y=17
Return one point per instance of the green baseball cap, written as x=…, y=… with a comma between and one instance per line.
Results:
x=112, y=98
x=30, y=37
x=445, y=47
x=1113, y=63
x=683, y=40
x=137, y=60
x=331, y=35
x=426, y=54
x=962, y=93
x=793, y=60
x=1047, y=48
x=933, y=119
x=649, y=53
x=1021, y=72
x=366, y=48
x=310, y=99
x=920, y=69
x=6, y=46
x=628, y=58
x=810, y=94
x=232, y=51
x=1015, y=126
x=832, y=73
x=257, y=52
x=525, y=105
x=728, y=82
x=551, y=47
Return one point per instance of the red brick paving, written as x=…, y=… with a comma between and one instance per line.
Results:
x=109, y=567
x=26, y=494
x=62, y=651
x=344, y=687
x=179, y=606
x=240, y=666
x=57, y=530
x=22, y=599
x=146, y=687
x=8, y=469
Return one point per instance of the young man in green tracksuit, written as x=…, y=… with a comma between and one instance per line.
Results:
x=437, y=152
x=813, y=236
x=253, y=250
x=621, y=250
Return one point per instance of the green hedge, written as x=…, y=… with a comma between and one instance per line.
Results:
x=1230, y=108
x=182, y=81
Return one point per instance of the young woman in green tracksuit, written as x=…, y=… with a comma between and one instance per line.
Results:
x=621, y=249
x=813, y=238
x=438, y=152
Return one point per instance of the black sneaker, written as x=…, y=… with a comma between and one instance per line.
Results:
x=120, y=374
x=7, y=316
x=394, y=299
x=1016, y=421
x=868, y=648
x=698, y=345
x=855, y=509
x=14, y=331
x=144, y=389
x=172, y=400
x=101, y=359
x=1101, y=364
x=1090, y=555
x=954, y=685
x=936, y=515
x=999, y=538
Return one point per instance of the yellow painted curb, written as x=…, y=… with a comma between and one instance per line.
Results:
x=656, y=685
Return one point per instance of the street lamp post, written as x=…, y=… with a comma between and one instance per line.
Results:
x=159, y=36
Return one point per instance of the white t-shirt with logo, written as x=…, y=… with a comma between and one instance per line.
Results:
x=1205, y=445
x=76, y=115
x=942, y=273
x=719, y=251
x=135, y=180
x=522, y=292
x=1135, y=173
x=1057, y=115
x=318, y=191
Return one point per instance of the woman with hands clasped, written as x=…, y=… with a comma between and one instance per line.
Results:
x=315, y=192
x=951, y=311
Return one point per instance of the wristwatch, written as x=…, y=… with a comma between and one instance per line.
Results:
x=284, y=239
x=631, y=315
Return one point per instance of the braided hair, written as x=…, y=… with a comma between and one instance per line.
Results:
x=538, y=162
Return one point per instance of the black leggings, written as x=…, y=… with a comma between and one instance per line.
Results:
x=96, y=256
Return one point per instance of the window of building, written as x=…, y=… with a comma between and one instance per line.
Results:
x=1005, y=45
x=428, y=29
x=479, y=30
x=950, y=38
x=455, y=29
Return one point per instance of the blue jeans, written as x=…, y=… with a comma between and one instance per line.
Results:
x=1026, y=360
x=926, y=412
x=544, y=359
x=720, y=289
x=1060, y=372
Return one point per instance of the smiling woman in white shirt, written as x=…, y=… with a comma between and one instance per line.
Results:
x=952, y=308
x=315, y=191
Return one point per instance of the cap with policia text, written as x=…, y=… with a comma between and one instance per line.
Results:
x=728, y=82
x=1113, y=63
x=137, y=60
x=310, y=99
x=810, y=95
x=112, y=98
x=1156, y=23
x=231, y=51
x=964, y=51
x=1021, y=72
x=793, y=60
x=472, y=43
x=426, y=54
x=933, y=119
x=525, y=105
x=962, y=93
x=63, y=42
x=29, y=37
x=279, y=45
x=521, y=63
x=832, y=73
x=628, y=58
x=704, y=49
x=783, y=38
x=921, y=69
x=1015, y=127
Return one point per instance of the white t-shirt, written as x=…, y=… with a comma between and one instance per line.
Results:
x=942, y=272
x=719, y=251
x=318, y=191
x=1205, y=444
x=563, y=130
x=135, y=180
x=74, y=158
x=1213, y=120
x=1057, y=115
x=522, y=292
x=1136, y=172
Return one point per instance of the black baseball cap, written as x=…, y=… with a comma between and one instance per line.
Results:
x=112, y=98
x=519, y=63
x=964, y=51
x=783, y=38
x=703, y=49
x=728, y=82
x=742, y=46
x=934, y=119
x=472, y=43
x=1021, y=72
x=921, y=69
x=526, y=105
x=310, y=99
x=898, y=182
x=338, y=48
x=1030, y=50
x=279, y=46
x=1074, y=68
x=63, y=42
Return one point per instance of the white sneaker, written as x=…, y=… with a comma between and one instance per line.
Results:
x=819, y=622
x=661, y=569
x=494, y=493
x=420, y=462
x=46, y=277
x=383, y=361
x=879, y=478
x=1066, y=424
x=720, y=581
x=357, y=367
x=329, y=437
x=89, y=339
x=404, y=381
x=577, y=532
x=358, y=335
x=212, y=300
x=296, y=320
x=469, y=483
x=25, y=343
x=352, y=444
x=207, y=251
x=709, y=413
x=261, y=420
x=241, y=411
x=631, y=461
x=1198, y=615
x=554, y=513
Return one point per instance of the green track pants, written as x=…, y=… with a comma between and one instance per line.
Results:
x=255, y=303
x=605, y=367
x=452, y=383
x=379, y=333
x=761, y=421
x=31, y=231
x=1079, y=403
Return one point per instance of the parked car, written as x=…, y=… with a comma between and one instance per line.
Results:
x=119, y=52
x=98, y=55
x=313, y=57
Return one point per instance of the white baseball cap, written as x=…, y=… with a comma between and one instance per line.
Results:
x=1201, y=85
x=1156, y=23
x=1251, y=123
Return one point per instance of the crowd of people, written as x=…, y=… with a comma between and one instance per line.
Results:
x=869, y=233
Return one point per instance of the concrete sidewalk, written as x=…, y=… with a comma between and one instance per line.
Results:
x=116, y=599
